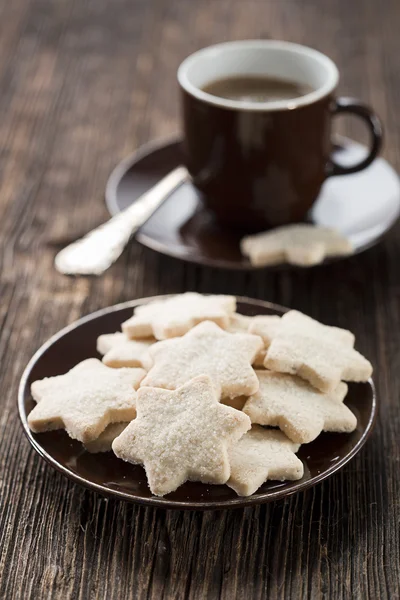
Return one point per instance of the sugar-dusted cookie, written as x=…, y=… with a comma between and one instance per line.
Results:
x=119, y=351
x=299, y=244
x=181, y=435
x=206, y=350
x=239, y=323
x=321, y=361
x=175, y=316
x=85, y=400
x=259, y=455
x=298, y=409
x=106, y=341
x=297, y=322
x=266, y=326
x=104, y=442
x=242, y=324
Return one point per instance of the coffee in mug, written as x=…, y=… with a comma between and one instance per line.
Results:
x=257, y=119
x=256, y=89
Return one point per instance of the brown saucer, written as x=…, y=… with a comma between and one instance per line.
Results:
x=108, y=475
x=362, y=207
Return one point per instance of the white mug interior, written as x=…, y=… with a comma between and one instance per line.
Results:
x=275, y=59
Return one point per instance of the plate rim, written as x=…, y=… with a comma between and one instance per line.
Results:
x=161, y=502
x=151, y=146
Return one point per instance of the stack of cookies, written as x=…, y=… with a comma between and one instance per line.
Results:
x=192, y=390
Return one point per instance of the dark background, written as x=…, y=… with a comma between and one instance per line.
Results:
x=82, y=84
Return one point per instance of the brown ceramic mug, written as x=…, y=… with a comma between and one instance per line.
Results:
x=262, y=164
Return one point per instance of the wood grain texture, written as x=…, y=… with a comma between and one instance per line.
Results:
x=83, y=83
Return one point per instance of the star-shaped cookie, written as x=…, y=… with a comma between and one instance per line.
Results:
x=296, y=322
x=239, y=323
x=259, y=455
x=175, y=316
x=321, y=361
x=106, y=341
x=181, y=435
x=268, y=327
x=298, y=409
x=206, y=350
x=242, y=324
x=300, y=244
x=119, y=351
x=85, y=400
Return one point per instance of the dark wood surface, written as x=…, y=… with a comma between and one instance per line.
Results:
x=82, y=84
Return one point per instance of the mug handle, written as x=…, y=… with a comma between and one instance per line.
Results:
x=354, y=107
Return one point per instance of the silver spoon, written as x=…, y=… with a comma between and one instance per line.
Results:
x=99, y=249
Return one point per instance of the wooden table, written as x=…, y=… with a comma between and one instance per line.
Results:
x=83, y=83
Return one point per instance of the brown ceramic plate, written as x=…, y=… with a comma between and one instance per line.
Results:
x=108, y=475
x=362, y=206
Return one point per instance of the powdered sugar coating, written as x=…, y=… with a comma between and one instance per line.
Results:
x=242, y=324
x=106, y=341
x=85, y=400
x=259, y=455
x=266, y=326
x=299, y=244
x=175, y=316
x=298, y=409
x=181, y=435
x=270, y=326
x=239, y=323
x=296, y=322
x=206, y=350
x=321, y=361
x=119, y=351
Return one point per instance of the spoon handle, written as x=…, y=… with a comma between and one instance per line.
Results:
x=100, y=248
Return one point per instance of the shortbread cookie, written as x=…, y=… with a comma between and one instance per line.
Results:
x=206, y=350
x=106, y=438
x=266, y=326
x=242, y=324
x=300, y=244
x=298, y=409
x=119, y=351
x=106, y=341
x=320, y=361
x=181, y=435
x=259, y=455
x=296, y=322
x=85, y=400
x=175, y=316
x=239, y=323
